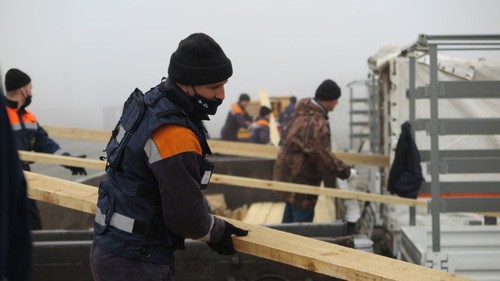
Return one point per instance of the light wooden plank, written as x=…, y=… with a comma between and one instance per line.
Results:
x=241, y=181
x=225, y=147
x=252, y=213
x=62, y=192
x=330, y=259
x=276, y=213
x=273, y=126
x=62, y=160
x=78, y=134
x=307, y=253
x=271, y=152
x=308, y=189
x=324, y=211
x=264, y=210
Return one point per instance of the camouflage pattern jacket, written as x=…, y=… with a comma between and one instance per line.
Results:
x=305, y=154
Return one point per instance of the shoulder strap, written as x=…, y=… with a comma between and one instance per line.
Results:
x=132, y=114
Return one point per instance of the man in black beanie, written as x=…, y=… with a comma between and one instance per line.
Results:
x=152, y=198
x=305, y=154
x=27, y=132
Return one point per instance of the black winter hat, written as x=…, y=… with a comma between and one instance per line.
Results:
x=199, y=60
x=327, y=91
x=264, y=110
x=15, y=79
x=244, y=97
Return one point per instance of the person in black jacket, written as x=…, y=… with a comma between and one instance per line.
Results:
x=15, y=236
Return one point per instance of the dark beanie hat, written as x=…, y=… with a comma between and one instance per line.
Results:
x=244, y=97
x=264, y=110
x=15, y=79
x=199, y=60
x=327, y=91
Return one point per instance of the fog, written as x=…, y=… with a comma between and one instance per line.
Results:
x=86, y=57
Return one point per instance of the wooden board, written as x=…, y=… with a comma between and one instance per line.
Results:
x=308, y=189
x=78, y=134
x=62, y=192
x=273, y=126
x=307, y=253
x=324, y=211
x=275, y=215
x=62, y=160
x=265, y=213
x=225, y=147
x=239, y=181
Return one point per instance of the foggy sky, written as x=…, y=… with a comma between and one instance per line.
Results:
x=86, y=57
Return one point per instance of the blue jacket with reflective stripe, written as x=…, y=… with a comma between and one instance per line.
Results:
x=131, y=188
x=27, y=133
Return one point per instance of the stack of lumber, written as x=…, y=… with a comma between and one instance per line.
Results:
x=265, y=213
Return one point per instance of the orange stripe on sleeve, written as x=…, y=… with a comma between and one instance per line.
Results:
x=174, y=139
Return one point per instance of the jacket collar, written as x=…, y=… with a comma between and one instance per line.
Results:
x=177, y=96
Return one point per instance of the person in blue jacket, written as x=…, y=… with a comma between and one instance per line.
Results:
x=152, y=198
x=27, y=132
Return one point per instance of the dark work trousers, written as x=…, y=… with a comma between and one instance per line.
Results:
x=108, y=267
x=294, y=213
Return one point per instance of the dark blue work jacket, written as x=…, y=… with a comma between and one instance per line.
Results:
x=129, y=212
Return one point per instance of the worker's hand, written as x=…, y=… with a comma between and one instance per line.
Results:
x=225, y=245
x=75, y=171
x=353, y=175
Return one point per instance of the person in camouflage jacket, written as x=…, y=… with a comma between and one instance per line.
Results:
x=305, y=154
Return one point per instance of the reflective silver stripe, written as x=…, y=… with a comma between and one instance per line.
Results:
x=99, y=217
x=122, y=222
x=152, y=151
x=117, y=220
x=17, y=127
x=206, y=238
x=120, y=135
x=206, y=177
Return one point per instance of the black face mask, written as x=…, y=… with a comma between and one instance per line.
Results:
x=27, y=102
x=206, y=106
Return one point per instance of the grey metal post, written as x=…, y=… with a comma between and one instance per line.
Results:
x=374, y=109
x=434, y=164
x=411, y=96
x=351, y=107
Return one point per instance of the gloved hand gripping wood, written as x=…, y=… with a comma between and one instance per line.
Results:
x=225, y=245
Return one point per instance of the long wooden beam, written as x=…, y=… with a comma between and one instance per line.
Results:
x=61, y=192
x=61, y=160
x=78, y=134
x=302, y=252
x=225, y=147
x=314, y=190
x=238, y=181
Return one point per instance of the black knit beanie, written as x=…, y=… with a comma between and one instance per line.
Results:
x=199, y=60
x=15, y=79
x=327, y=91
x=244, y=97
x=264, y=110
